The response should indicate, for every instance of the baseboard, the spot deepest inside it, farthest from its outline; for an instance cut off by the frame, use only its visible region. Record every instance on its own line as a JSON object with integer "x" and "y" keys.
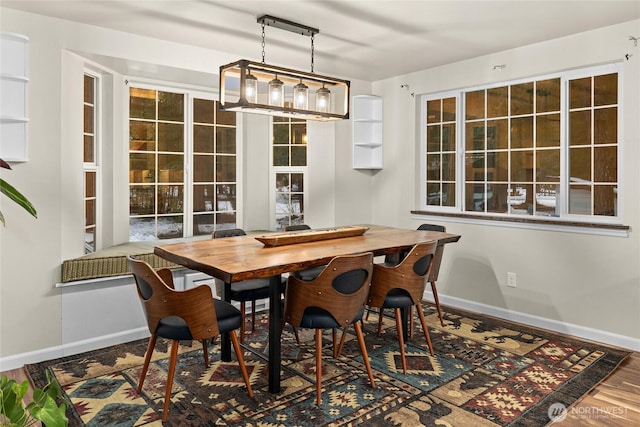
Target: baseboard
{"x": 19, "y": 360}
{"x": 540, "y": 322}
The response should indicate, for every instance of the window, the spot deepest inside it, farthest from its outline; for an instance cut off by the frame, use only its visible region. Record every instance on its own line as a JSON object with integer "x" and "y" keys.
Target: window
{"x": 544, "y": 147}
{"x": 182, "y": 165}
{"x": 290, "y": 162}
{"x": 90, "y": 162}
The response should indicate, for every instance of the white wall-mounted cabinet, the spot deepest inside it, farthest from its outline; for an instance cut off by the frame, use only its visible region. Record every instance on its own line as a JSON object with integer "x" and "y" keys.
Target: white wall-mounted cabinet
{"x": 14, "y": 83}
{"x": 367, "y": 132}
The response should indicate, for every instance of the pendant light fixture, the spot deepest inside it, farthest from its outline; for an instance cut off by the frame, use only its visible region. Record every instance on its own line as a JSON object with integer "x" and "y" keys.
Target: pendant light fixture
{"x": 268, "y": 89}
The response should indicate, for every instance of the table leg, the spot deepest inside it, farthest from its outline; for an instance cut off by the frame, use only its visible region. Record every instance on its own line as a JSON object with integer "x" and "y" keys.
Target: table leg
{"x": 225, "y": 342}
{"x": 275, "y": 318}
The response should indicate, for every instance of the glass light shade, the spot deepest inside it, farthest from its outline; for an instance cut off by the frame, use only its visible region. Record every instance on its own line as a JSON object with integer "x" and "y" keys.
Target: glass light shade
{"x": 323, "y": 100}
{"x": 301, "y": 96}
{"x": 276, "y": 92}
{"x": 251, "y": 89}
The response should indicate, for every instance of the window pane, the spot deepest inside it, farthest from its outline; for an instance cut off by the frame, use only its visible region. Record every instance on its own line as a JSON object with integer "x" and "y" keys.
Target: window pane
{"x": 548, "y": 95}
{"x": 434, "y": 113}
{"x": 170, "y": 199}
{"x": 170, "y": 227}
{"x": 281, "y": 133}
{"x": 141, "y": 199}
{"x": 142, "y": 103}
{"x": 475, "y": 136}
{"x": 89, "y": 153}
{"x": 170, "y": 137}
{"x": 90, "y": 212}
{"x": 203, "y": 168}
{"x": 548, "y": 166}
{"x": 299, "y": 133}
{"x": 580, "y": 164}
{"x": 281, "y": 156}
{"x": 606, "y": 160}
{"x": 522, "y": 166}
{"x": 226, "y": 140}
{"x": 449, "y": 137}
{"x": 498, "y": 102}
{"x": 497, "y": 198}
{"x": 520, "y": 199}
{"x": 580, "y": 199}
{"x": 475, "y": 197}
{"x": 226, "y": 198}
{"x": 498, "y": 134}
{"x": 142, "y": 136}
{"x": 474, "y": 167}
{"x": 89, "y": 184}
{"x": 548, "y": 130}
{"x": 203, "y": 198}
{"x": 433, "y": 138}
{"x": 141, "y": 229}
{"x": 605, "y": 89}
{"x": 449, "y": 109}
{"x": 448, "y": 194}
{"x": 227, "y": 118}
{"x": 580, "y": 93}
{"x": 203, "y": 111}
{"x": 474, "y": 105}
{"x": 448, "y": 167}
{"x": 605, "y": 199}
{"x": 546, "y": 199}
{"x": 297, "y": 182}
{"x": 204, "y": 224}
{"x": 171, "y": 167}
{"x": 434, "y": 194}
{"x": 498, "y": 166}
{"x": 170, "y": 106}
{"x": 226, "y": 168}
{"x": 299, "y": 156}
{"x": 433, "y": 167}
{"x": 605, "y": 126}
{"x": 522, "y": 132}
{"x": 225, "y": 220}
{"x": 88, "y": 119}
{"x": 89, "y": 89}
{"x": 522, "y": 99}
{"x": 580, "y": 127}
{"x": 142, "y": 167}
{"x": 203, "y": 138}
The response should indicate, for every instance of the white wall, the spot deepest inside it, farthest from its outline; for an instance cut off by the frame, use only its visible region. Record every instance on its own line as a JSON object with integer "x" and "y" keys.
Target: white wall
{"x": 592, "y": 281}
{"x": 588, "y": 281}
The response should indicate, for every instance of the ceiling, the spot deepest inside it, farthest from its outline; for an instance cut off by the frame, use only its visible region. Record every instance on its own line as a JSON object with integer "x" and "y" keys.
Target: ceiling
{"x": 359, "y": 39}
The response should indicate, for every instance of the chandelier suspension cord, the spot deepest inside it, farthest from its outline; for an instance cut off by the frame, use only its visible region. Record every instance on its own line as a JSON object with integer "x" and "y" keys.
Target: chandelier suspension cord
{"x": 312, "y": 49}
{"x": 263, "y": 44}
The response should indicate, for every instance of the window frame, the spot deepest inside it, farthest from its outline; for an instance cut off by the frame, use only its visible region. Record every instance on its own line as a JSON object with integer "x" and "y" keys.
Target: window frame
{"x": 581, "y": 223}
{"x": 190, "y": 93}
{"x": 94, "y": 166}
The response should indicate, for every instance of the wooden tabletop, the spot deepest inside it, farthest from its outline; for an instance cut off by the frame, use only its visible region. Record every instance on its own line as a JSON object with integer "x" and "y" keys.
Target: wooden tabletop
{"x": 244, "y": 257}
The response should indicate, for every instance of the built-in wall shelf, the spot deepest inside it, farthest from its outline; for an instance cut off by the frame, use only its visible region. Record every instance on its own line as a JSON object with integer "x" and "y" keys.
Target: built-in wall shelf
{"x": 367, "y": 132}
{"x": 14, "y": 83}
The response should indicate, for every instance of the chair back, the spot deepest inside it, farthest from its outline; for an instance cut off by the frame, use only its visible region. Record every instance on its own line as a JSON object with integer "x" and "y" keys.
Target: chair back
{"x": 296, "y": 227}
{"x": 410, "y": 275}
{"x": 195, "y": 306}
{"x": 432, "y": 227}
{"x": 231, "y": 232}
{"x": 341, "y": 290}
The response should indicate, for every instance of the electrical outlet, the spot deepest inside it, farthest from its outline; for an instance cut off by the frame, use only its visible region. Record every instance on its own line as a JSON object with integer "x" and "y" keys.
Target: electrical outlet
{"x": 511, "y": 280}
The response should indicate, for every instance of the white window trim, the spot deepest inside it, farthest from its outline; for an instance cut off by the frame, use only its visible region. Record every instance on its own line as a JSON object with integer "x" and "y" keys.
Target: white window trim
{"x": 95, "y": 166}
{"x": 566, "y": 222}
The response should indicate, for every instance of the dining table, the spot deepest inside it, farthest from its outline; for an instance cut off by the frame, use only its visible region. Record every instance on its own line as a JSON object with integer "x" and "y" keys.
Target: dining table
{"x": 246, "y": 257}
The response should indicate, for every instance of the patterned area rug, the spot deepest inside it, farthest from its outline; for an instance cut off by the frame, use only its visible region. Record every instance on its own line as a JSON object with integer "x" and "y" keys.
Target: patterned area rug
{"x": 486, "y": 372}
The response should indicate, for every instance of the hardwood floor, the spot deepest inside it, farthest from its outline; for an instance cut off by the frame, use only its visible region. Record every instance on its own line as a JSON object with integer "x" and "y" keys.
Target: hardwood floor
{"x": 614, "y": 402}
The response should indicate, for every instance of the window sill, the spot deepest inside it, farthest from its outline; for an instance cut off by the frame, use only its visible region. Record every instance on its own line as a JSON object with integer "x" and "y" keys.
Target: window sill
{"x": 616, "y": 230}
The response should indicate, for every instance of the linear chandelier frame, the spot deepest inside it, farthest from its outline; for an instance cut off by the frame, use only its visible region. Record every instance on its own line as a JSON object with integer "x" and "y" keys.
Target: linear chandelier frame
{"x": 257, "y": 87}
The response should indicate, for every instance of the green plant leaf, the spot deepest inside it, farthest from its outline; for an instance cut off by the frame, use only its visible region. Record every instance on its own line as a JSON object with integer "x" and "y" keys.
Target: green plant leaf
{"x": 13, "y": 194}
{"x": 50, "y": 413}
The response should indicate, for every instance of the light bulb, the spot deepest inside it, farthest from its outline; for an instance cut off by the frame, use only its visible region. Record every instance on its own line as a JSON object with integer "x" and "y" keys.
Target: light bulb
{"x": 301, "y": 96}
{"x": 276, "y": 92}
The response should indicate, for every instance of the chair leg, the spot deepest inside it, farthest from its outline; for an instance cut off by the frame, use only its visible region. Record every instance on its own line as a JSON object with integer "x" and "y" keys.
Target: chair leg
{"x": 380, "y": 313}
{"x": 411, "y": 322}
{"x": 336, "y": 350}
{"x": 243, "y": 368}
{"x": 205, "y": 351}
{"x": 401, "y": 339}
{"x": 363, "y": 350}
{"x": 243, "y": 309}
{"x": 424, "y": 327}
{"x": 318, "y": 366}
{"x": 147, "y": 359}
{"x": 436, "y": 300}
{"x": 342, "y": 340}
{"x": 253, "y": 315}
{"x": 172, "y": 370}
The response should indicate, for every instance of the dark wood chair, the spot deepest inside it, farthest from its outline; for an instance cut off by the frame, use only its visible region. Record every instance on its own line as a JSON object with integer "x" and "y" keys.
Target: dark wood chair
{"x": 182, "y": 315}
{"x": 401, "y": 286}
{"x": 335, "y": 299}
{"x": 247, "y": 290}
